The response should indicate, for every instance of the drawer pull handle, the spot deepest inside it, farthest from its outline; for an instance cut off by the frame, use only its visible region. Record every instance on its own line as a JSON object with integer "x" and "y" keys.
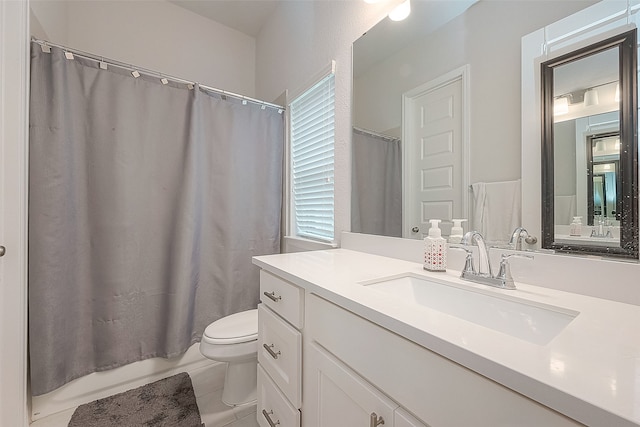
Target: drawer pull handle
{"x": 375, "y": 421}
{"x": 267, "y": 416}
{"x": 272, "y": 296}
{"x": 270, "y": 351}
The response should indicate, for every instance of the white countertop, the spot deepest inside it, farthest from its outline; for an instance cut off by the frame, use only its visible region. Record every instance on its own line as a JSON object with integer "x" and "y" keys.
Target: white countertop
{"x": 590, "y": 371}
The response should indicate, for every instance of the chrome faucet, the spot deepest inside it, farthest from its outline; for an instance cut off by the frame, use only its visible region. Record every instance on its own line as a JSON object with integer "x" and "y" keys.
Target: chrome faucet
{"x": 518, "y": 235}
{"x": 483, "y": 275}
{"x": 484, "y": 266}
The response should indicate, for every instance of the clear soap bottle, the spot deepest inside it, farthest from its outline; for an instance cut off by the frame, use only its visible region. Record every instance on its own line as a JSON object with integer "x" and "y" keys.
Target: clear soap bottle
{"x": 456, "y": 231}
{"x": 435, "y": 249}
{"x": 575, "y": 229}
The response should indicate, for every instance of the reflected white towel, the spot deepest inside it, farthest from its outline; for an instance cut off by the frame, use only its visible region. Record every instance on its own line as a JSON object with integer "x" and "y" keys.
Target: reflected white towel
{"x": 497, "y": 209}
{"x": 564, "y": 209}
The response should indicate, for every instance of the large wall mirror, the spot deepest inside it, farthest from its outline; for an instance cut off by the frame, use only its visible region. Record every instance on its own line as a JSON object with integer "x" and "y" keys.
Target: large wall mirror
{"x": 439, "y": 38}
{"x": 589, "y": 149}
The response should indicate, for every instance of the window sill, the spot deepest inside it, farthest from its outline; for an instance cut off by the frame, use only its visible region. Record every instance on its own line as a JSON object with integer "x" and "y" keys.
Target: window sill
{"x": 299, "y": 244}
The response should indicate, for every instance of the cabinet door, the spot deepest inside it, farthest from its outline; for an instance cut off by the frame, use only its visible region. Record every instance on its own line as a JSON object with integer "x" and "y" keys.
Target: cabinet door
{"x": 335, "y": 396}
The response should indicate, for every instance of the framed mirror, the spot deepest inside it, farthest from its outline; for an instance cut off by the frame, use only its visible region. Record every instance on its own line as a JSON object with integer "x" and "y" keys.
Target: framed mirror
{"x": 589, "y": 149}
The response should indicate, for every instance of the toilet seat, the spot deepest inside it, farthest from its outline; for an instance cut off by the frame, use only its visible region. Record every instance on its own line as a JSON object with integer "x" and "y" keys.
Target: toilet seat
{"x": 236, "y": 328}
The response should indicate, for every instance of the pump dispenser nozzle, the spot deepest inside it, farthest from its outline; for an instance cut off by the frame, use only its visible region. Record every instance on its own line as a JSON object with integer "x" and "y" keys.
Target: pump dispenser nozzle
{"x": 434, "y": 231}
{"x": 456, "y": 231}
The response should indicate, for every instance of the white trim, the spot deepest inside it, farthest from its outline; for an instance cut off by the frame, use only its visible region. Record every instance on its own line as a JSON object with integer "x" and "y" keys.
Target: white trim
{"x": 330, "y": 68}
{"x": 464, "y": 75}
{"x": 14, "y": 115}
{"x": 299, "y": 244}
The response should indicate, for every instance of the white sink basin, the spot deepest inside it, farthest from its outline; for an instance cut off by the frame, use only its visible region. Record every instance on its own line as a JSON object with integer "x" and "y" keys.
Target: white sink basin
{"x": 520, "y": 318}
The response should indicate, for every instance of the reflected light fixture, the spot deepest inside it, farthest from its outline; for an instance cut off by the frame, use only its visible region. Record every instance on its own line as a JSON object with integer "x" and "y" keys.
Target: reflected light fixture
{"x": 599, "y": 147}
{"x": 401, "y": 11}
{"x": 560, "y": 106}
{"x": 616, "y": 145}
{"x": 371, "y": 1}
{"x": 617, "y": 95}
{"x": 590, "y": 98}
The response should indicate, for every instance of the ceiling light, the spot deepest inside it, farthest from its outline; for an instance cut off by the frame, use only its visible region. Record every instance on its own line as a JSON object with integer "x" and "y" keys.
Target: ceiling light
{"x": 560, "y": 106}
{"x": 401, "y": 11}
{"x": 371, "y": 1}
{"x": 617, "y": 96}
{"x": 590, "y": 98}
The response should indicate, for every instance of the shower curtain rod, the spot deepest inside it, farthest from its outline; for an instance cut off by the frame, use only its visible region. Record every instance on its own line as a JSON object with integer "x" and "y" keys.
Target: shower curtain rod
{"x": 152, "y": 73}
{"x": 379, "y": 135}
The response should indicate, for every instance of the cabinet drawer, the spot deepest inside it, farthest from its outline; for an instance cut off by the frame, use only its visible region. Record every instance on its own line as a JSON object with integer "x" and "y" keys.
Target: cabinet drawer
{"x": 280, "y": 353}
{"x": 282, "y": 297}
{"x": 402, "y": 418}
{"x": 273, "y": 406}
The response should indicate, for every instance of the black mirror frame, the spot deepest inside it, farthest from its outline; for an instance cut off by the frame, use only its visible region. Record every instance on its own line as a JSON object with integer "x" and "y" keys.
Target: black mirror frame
{"x": 627, "y": 44}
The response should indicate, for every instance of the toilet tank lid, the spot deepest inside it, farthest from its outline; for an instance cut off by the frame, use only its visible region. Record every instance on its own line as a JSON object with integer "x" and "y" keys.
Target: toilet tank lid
{"x": 235, "y": 328}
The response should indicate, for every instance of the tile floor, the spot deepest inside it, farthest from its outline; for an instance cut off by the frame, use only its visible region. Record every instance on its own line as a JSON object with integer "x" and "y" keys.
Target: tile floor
{"x": 207, "y": 386}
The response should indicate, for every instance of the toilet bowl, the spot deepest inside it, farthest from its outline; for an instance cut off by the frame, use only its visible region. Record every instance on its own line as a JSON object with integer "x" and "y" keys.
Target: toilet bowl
{"x": 234, "y": 340}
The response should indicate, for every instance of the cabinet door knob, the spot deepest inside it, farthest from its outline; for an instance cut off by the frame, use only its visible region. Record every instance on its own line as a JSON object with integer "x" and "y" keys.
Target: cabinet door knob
{"x": 270, "y": 351}
{"x": 375, "y": 421}
{"x": 272, "y": 296}
{"x": 3, "y": 250}
{"x": 267, "y": 415}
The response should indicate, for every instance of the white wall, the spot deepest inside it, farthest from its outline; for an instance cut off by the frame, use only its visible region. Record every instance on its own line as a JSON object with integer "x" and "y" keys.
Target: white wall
{"x": 300, "y": 39}
{"x": 156, "y": 35}
{"x": 487, "y": 37}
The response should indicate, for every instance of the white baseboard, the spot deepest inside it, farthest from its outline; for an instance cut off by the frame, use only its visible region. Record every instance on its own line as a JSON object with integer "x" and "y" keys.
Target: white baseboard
{"x": 102, "y": 384}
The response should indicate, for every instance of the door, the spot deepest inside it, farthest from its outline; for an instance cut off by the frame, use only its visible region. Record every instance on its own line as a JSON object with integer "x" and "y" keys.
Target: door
{"x": 336, "y": 396}
{"x": 14, "y": 36}
{"x": 436, "y": 182}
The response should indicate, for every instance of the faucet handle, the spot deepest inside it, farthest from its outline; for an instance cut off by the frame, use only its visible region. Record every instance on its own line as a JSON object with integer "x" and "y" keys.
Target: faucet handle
{"x": 504, "y": 273}
{"x": 468, "y": 260}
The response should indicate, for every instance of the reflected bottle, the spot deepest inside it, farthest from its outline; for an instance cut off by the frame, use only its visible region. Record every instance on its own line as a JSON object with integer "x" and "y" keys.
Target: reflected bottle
{"x": 575, "y": 229}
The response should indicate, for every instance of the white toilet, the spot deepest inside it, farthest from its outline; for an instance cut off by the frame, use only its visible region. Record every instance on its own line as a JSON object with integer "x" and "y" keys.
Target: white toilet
{"x": 234, "y": 339}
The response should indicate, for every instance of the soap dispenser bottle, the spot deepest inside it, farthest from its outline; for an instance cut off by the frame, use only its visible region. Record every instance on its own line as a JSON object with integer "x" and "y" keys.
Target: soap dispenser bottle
{"x": 456, "y": 231}
{"x": 575, "y": 229}
{"x": 435, "y": 249}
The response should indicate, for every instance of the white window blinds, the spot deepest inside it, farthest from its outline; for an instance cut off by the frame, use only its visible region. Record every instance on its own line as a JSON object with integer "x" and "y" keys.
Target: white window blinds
{"x": 312, "y": 140}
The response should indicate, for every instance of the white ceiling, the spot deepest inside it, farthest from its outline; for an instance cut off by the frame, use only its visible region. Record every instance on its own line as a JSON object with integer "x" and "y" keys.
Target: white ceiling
{"x": 246, "y": 16}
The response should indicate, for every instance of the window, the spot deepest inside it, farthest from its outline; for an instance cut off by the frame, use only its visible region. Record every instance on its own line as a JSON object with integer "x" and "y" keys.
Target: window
{"x": 312, "y": 171}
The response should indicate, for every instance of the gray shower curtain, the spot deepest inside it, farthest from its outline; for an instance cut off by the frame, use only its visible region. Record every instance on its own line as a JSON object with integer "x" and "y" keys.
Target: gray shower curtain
{"x": 146, "y": 204}
{"x": 376, "y": 184}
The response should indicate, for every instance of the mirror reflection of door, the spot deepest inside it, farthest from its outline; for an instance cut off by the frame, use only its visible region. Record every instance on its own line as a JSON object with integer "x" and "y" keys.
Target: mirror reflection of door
{"x": 434, "y": 176}
{"x": 603, "y": 176}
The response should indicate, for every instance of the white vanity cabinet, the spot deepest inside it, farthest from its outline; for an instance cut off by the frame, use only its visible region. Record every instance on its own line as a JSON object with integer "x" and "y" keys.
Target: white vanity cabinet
{"x": 341, "y": 398}
{"x": 321, "y": 365}
{"x": 347, "y": 355}
{"x": 280, "y": 320}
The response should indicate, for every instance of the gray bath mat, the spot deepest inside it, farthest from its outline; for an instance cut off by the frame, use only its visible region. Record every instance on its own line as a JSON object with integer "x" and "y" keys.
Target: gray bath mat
{"x": 169, "y": 402}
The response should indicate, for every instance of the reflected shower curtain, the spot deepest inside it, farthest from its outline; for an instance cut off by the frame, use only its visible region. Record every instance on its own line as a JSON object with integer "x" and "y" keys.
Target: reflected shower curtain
{"x": 376, "y": 184}
{"x": 147, "y": 202}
